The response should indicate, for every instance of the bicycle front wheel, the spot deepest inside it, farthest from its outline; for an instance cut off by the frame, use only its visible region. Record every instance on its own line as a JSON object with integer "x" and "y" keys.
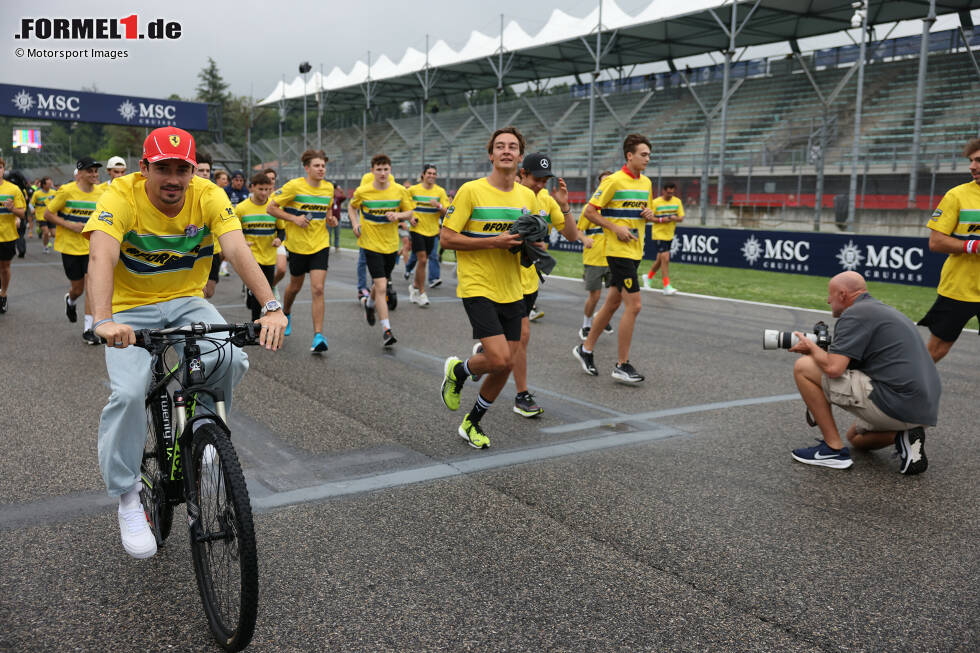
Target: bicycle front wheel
{"x": 223, "y": 540}
{"x": 159, "y": 511}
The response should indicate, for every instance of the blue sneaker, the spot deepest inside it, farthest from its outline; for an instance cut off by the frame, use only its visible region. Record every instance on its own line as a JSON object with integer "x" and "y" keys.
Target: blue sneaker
{"x": 822, "y": 455}
{"x": 289, "y": 325}
{"x": 319, "y": 344}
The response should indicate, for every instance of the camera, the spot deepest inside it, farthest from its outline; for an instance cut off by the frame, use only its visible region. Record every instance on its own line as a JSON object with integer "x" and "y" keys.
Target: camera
{"x": 773, "y": 339}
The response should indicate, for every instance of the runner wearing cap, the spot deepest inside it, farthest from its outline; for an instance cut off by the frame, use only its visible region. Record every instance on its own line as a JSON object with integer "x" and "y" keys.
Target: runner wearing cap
{"x": 138, "y": 286}
{"x": 303, "y": 205}
{"x": 116, "y": 167}
{"x": 535, "y": 171}
{"x": 69, "y": 210}
{"x": 13, "y": 208}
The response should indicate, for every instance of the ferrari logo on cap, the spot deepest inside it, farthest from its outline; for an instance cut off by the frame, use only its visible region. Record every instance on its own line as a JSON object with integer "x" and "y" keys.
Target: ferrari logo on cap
{"x": 174, "y": 140}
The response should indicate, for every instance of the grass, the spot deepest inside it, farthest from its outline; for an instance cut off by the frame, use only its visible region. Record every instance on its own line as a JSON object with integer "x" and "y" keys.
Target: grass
{"x": 755, "y": 285}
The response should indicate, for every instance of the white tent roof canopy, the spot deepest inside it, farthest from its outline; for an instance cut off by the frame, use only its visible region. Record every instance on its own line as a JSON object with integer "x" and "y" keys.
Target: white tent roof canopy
{"x": 562, "y": 46}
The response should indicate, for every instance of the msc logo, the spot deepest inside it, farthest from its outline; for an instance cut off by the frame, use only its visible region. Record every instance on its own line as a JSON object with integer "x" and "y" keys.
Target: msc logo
{"x": 174, "y": 140}
{"x": 778, "y": 250}
{"x": 695, "y": 244}
{"x": 24, "y": 102}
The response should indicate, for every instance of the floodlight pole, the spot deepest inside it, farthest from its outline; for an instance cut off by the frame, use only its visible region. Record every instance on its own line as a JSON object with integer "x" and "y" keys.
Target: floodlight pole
{"x": 248, "y": 131}
{"x": 858, "y": 106}
{"x": 319, "y": 110}
{"x": 282, "y": 119}
{"x": 920, "y": 89}
{"x": 595, "y": 77}
{"x": 305, "y": 81}
{"x": 367, "y": 88}
{"x": 724, "y": 106}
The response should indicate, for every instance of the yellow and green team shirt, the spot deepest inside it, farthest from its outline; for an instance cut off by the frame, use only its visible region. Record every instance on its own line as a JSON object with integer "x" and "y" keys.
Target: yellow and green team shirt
{"x": 595, "y": 255}
{"x": 428, "y": 216}
{"x": 663, "y": 209}
{"x": 377, "y": 233}
{"x": 549, "y": 210}
{"x": 161, "y": 258}
{"x": 298, "y": 197}
{"x": 958, "y": 215}
{"x": 39, "y": 200}
{"x": 73, "y": 204}
{"x": 621, "y": 197}
{"x": 260, "y": 229}
{"x": 8, "y": 221}
{"x": 481, "y": 211}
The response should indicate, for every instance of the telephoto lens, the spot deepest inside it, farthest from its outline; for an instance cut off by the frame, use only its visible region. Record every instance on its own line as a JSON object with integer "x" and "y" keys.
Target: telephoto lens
{"x": 773, "y": 339}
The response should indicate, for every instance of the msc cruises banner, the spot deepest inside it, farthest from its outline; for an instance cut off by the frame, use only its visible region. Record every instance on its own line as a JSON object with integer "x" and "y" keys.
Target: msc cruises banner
{"x": 894, "y": 259}
{"x": 82, "y": 106}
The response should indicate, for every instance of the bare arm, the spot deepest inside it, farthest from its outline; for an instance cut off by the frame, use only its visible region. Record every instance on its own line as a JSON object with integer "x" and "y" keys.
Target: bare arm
{"x": 276, "y": 211}
{"x": 61, "y": 222}
{"x": 833, "y": 365}
{"x": 102, "y": 259}
{"x": 944, "y": 244}
{"x": 355, "y": 223}
{"x": 622, "y": 232}
{"x": 236, "y": 250}
{"x": 450, "y": 239}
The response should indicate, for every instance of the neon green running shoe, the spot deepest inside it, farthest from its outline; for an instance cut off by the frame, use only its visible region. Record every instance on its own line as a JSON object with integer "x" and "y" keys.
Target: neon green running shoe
{"x": 473, "y": 434}
{"x": 451, "y": 386}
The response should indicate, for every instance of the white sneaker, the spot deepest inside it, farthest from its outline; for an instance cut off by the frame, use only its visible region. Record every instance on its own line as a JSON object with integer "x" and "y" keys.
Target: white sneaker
{"x": 137, "y": 538}
{"x": 223, "y": 270}
{"x": 413, "y": 295}
{"x": 423, "y": 300}
{"x": 647, "y": 282}
{"x": 670, "y": 290}
{"x": 535, "y": 315}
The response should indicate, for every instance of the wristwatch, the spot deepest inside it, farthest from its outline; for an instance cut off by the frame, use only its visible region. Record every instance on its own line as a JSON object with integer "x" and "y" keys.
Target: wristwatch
{"x": 271, "y": 305}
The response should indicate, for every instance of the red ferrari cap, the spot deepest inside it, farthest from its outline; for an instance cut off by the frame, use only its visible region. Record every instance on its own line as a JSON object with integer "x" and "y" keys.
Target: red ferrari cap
{"x": 169, "y": 143}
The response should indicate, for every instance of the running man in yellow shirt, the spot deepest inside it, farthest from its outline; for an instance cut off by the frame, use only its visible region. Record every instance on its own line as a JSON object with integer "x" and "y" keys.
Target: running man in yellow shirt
{"x": 431, "y": 204}
{"x": 955, "y": 226}
{"x": 477, "y": 226}
{"x": 595, "y": 270}
{"x": 39, "y": 200}
{"x": 668, "y": 211}
{"x": 13, "y": 209}
{"x": 263, "y": 233}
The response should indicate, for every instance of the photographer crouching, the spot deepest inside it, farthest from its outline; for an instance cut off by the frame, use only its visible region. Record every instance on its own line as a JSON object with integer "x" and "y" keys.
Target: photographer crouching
{"x": 878, "y": 369}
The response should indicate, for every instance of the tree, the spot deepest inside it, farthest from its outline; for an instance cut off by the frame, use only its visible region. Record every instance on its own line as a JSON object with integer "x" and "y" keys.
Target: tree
{"x": 212, "y": 87}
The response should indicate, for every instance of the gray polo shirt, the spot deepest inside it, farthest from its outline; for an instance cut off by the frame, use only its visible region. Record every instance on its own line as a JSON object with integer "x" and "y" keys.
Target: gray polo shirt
{"x": 885, "y": 345}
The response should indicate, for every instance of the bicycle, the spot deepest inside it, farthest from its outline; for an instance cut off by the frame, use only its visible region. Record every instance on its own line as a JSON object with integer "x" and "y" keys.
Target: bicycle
{"x": 209, "y": 481}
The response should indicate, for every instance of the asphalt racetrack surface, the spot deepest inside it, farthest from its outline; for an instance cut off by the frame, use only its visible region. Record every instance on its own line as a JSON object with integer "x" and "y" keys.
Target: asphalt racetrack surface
{"x": 667, "y": 516}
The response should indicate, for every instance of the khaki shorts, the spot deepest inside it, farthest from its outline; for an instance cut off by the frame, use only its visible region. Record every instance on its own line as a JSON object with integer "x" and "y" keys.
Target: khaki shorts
{"x": 852, "y": 392}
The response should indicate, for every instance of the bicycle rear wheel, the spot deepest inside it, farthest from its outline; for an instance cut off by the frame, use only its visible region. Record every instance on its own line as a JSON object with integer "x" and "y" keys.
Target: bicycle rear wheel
{"x": 223, "y": 540}
{"x": 159, "y": 511}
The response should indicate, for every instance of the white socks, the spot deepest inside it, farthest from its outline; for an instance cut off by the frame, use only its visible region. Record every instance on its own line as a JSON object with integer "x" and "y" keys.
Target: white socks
{"x": 385, "y": 324}
{"x": 587, "y": 322}
{"x": 130, "y": 500}
{"x": 88, "y": 322}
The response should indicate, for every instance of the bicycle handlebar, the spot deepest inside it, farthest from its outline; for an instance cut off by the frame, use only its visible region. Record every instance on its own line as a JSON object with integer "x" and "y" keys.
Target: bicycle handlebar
{"x": 245, "y": 333}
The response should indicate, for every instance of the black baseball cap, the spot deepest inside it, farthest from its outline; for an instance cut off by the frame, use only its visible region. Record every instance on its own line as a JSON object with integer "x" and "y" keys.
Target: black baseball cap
{"x": 87, "y": 162}
{"x": 238, "y": 173}
{"x": 538, "y": 165}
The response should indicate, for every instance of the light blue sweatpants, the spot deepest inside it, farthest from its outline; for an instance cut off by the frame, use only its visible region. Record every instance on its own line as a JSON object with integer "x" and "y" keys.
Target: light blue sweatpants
{"x": 122, "y": 429}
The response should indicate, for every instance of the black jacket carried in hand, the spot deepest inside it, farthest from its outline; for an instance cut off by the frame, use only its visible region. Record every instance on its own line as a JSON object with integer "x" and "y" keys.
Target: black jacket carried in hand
{"x": 533, "y": 229}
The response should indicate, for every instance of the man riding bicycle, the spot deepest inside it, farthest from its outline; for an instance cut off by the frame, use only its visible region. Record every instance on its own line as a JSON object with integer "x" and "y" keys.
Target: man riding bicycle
{"x": 152, "y": 239}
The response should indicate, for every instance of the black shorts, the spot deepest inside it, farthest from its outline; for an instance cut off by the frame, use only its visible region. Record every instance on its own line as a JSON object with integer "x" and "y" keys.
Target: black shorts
{"x": 663, "y": 245}
{"x": 622, "y": 273}
{"x": 379, "y": 265}
{"x": 422, "y": 243}
{"x": 300, "y": 264}
{"x": 215, "y": 267}
{"x": 489, "y": 318}
{"x": 7, "y": 250}
{"x": 947, "y": 317}
{"x": 76, "y": 266}
{"x": 530, "y": 301}
{"x": 270, "y": 273}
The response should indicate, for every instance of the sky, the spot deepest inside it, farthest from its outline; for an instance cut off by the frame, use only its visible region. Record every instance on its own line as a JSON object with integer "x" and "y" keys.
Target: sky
{"x": 253, "y": 49}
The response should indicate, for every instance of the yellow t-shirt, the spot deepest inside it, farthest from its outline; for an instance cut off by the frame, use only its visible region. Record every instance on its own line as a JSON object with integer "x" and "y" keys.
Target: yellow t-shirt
{"x": 260, "y": 229}
{"x": 663, "y": 209}
{"x": 161, "y": 258}
{"x": 481, "y": 211}
{"x": 549, "y": 210}
{"x": 39, "y": 200}
{"x": 377, "y": 233}
{"x": 428, "y": 216}
{"x": 621, "y": 197}
{"x": 958, "y": 215}
{"x": 595, "y": 255}
{"x": 8, "y": 221}
{"x": 73, "y": 204}
{"x": 298, "y": 197}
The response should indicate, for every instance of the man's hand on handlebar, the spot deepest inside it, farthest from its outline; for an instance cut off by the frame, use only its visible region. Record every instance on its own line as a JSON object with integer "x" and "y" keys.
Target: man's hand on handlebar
{"x": 273, "y": 325}
{"x": 116, "y": 335}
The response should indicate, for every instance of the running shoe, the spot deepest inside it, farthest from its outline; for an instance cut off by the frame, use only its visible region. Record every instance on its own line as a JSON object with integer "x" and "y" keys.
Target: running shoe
{"x": 823, "y": 456}
{"x": 223, "y": 270}
{"x": 583, "y": 333}
{"x": 608, "y": 328}
{"x": 435, "y": 283}
{"x": 586, "y": 360}
{"x": 473, "y": 434}
{"x": 911, "y": 446}
{"x": 3, "y": 304}
{"x": 451, "y": 386}
{"x": 525, "y": 406}
{"x": 319, "y": 344}
{"x": 626, "y": 373}
{"x": 288, "y": 331}
{"x": 89, "y": 336}
{"x": 647, "y": 282}
{"x": 670, "y": 290}
{"x": 423, "y": 300}
{"x": 388, "y": 338}
{"x": 535, "y": 314}
{"x": 368, "y": 311}
{"x": 413, "y": 295}
{"x": 137, "y": 538}
{"x": 407, "y": 274}
{"x": 70, "y": 309}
